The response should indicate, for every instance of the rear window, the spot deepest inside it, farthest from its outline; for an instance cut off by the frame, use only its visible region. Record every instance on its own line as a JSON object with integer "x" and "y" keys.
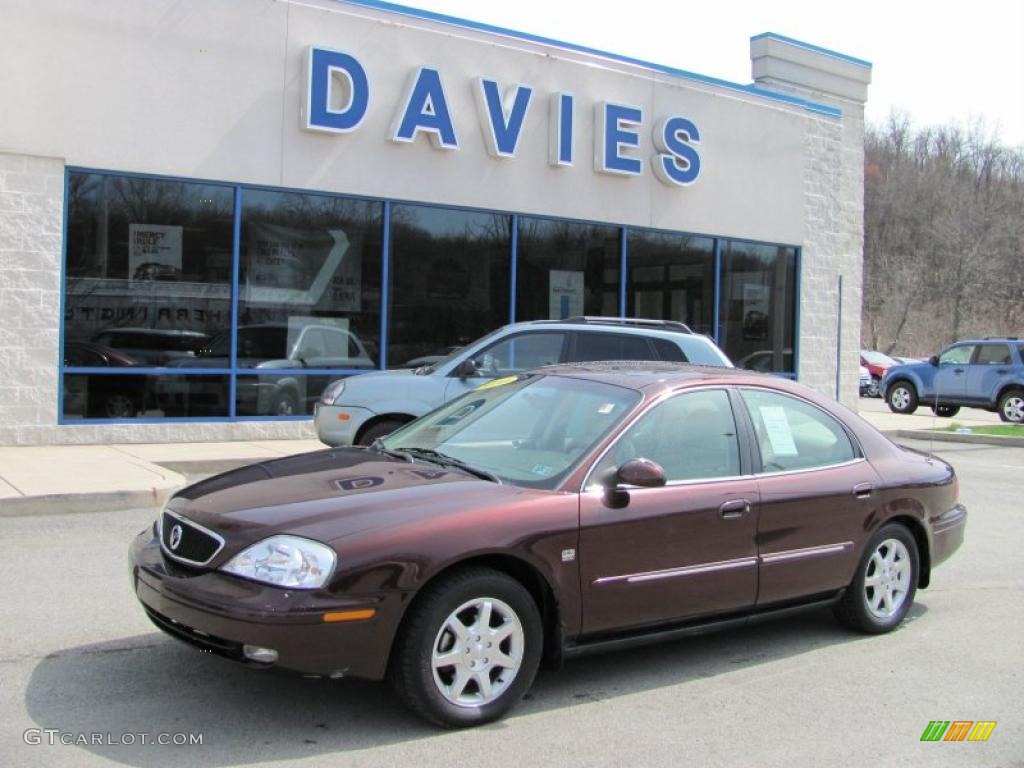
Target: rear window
{"x": 993, "y": 354}
{"x": 611, "y": 346}
{"x": 668, "y": 351}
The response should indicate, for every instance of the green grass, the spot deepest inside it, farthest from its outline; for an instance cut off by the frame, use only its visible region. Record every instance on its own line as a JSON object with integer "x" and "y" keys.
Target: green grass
{"x": 1002, "y": 430}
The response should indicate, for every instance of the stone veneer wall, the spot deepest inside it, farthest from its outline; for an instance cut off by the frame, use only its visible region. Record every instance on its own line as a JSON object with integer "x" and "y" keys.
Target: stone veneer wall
{"x": 31, "y": 223}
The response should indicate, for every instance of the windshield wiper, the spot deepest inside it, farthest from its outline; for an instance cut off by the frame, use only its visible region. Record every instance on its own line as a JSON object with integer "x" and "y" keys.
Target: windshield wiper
{"x": 445, "y": 460}
{"x": 378, "y": 446}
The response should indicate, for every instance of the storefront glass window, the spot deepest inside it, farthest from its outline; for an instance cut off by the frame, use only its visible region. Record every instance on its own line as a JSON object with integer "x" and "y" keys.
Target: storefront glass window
{"x": 148, "y": 267}
{"x": 671, "y": 276}
{"x": 309, "y": 283}
{"x": 566, "y": 269}
{"x": 758, "y": 305}
{"x": 449, "y": 280}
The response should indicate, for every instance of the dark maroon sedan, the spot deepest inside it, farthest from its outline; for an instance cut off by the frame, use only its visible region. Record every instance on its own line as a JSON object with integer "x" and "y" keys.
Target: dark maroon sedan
{"x": 547, "y": 515}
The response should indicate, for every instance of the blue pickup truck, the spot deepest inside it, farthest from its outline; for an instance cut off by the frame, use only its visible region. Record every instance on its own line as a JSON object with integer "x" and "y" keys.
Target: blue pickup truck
{"x": 984, "y": 373}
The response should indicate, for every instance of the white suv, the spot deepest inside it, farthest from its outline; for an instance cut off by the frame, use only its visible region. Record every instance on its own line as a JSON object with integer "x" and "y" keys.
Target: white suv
{"x": 359, "y": 409}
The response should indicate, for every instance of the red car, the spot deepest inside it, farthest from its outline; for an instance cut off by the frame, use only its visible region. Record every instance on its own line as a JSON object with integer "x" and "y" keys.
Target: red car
{"x": 546, "y": 515}
{"x": 877, "y": 364}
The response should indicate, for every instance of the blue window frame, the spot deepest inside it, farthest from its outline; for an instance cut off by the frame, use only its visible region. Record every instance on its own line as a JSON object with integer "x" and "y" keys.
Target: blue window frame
{"x": 198, "y": 300}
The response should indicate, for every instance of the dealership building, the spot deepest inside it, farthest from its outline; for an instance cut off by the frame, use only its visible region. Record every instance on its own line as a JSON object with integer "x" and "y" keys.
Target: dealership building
{"x": 209, "y": 210}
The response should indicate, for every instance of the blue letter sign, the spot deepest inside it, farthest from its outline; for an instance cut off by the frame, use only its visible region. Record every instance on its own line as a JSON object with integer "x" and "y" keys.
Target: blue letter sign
{"x": 501, "y": 131}
{"x": 323, "y": 65}
{"x": 426, "y": 109}
{"x": 611, "y": 135}
{"x": 679, "y": 164}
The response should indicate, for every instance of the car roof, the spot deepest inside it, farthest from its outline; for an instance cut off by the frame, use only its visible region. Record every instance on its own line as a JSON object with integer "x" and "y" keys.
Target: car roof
{"x": 627, "y": 324}
{"x": 650, "y": 375}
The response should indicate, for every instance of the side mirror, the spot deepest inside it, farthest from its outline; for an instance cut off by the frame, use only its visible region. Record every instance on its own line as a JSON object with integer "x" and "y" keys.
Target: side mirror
{"x": 466, "y": 369}
{"x": 642, "y": 473}
{"x": 934, "y": 360}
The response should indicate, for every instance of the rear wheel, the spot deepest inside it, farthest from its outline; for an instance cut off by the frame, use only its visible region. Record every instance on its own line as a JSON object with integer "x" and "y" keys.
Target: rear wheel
{"x": 945, "y": 410}
{"x": 285, "y": 404}
{"x": 380, "y": 429}
{"x": 883, "y": 588}
{"x": 901, "y": 397}
{"x": 469, "y": 649}
{"x": 1011, "y": 406}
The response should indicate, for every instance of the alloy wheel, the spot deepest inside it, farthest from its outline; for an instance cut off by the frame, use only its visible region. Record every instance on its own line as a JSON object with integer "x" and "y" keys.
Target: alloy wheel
{"x": 887, "y": 579}
{"x": 477, "y": 652}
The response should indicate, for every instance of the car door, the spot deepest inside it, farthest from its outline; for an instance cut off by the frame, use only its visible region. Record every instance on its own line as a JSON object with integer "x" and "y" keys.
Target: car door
{"x": 988, "y": 371}
{"x": 816, "y": 492}
{"x": 951, "y": 377}
{"x": 683, "y": 550}
{"x": 509, "y": 356}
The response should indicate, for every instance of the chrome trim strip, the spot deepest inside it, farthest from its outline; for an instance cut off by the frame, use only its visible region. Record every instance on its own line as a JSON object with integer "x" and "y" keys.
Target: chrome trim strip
{"x": 670, "y": 573}
{"x": 194, "y": 524}
{"x": 806, "y": 552}
{"x": 819, "y": 468}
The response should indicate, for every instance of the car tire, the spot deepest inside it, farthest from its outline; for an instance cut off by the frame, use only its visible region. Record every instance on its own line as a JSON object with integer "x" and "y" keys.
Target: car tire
{"x": 1011, "y": 406}
{"x": 118, "y": 407}
{"x": 901, "y": 397}
{"x": 380, "y": 429}
{"x": 885, "y": 582}
{"x": 946, "y": 411}
{"x": 285, "y": 404}
{"x": 873, "y": 390}
{"x": 490, "y": 671}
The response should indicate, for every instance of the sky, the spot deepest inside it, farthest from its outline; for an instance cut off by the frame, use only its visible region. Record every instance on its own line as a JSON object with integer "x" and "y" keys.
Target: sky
{"x": 939, "y": 62}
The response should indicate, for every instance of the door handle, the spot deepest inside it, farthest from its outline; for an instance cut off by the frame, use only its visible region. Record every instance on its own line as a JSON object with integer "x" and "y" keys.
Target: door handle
{"x": 1002, "y": 371}
{"x": 958, "y": 371}
{"x": 863, "y": 490}
{"x": 733, "y": 509}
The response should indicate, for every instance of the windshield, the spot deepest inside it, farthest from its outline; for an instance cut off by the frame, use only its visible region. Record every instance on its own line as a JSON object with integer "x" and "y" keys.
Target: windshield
{"x": 529, "y": 430}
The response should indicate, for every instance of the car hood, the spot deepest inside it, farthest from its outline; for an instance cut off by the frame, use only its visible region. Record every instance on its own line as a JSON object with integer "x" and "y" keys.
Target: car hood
{"x": 330, "y": 495}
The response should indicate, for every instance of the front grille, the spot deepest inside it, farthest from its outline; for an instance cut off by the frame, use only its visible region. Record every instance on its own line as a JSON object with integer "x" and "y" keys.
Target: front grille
{"x": 187, "y": 541}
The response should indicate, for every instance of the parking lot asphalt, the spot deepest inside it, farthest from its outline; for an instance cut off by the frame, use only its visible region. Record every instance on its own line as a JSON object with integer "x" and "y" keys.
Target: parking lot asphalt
{"x": 78, "y": 657}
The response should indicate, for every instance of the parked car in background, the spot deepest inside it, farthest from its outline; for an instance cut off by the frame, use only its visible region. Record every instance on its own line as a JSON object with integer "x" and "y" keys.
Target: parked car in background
{"x": 359, "y": 409}
{"x": 877, "y": 364}
{"x": 153, "y": 346}
{"x": 865, "y": 381}
{"x": 571, "y": 510}
{"x": 266, "y": 347}
{"x": 983, "y": 373}
{"x": 120, "y": 396}
{"x": 764, "y": 360}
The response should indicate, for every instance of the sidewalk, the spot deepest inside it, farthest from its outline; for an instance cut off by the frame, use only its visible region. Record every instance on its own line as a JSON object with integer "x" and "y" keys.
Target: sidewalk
{"x": 89, "y": 478}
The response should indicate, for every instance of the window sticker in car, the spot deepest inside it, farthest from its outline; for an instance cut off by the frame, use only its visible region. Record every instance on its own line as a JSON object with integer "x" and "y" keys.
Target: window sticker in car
{"x": 497, "y": 382}
{"x": 541, "y": 469}
{"x": 780, "y": 434}
{"x": 605, "y": 409}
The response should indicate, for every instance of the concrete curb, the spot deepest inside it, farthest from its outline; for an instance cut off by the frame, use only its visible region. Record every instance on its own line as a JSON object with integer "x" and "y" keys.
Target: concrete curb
{"x": 64, "y": 503}
{"x": 953, "y": 437}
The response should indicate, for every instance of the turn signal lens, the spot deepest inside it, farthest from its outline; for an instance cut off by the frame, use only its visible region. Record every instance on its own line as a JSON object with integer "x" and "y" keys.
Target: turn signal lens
{"x": 357, "y": 615}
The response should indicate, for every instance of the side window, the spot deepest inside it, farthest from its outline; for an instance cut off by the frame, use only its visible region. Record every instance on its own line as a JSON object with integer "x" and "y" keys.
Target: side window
{"x": 611, "y": 346}
{"x": 668, "y": 351}
{"x": 959, "y": 355}
{"x": 76, "y": 355}
{"x": 520, "y": 353}
{"x": 993, "y": 354}
{"x": 792, "y": 434}
{"x": 335, "y": 343}
{"x": 692, "y": 436}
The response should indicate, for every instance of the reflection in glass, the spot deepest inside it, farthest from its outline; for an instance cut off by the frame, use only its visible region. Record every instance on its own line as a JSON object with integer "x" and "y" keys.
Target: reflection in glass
{"x": 131, "y": 396}
{"x": 280, "y": 394}
{"x": 566, "y": 269}
{"x": 309, "y": 290}
{"x": 758, "y": 305}
{"x": 671, "y": 276}
{"x": 449, "y": 280}
{"x": 148, "y": 265}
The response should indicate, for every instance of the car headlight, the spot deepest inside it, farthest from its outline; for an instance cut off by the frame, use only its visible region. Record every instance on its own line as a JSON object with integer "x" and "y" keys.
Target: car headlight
{"x": 285, "y": 561}
{"x": 331, "y": 392}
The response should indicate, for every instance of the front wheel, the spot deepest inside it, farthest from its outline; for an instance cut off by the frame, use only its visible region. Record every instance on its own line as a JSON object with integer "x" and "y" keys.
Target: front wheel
{"x": 469, "y": 649}
{"x": 883, "y": 588}
{"x": 1011, "y": 406}
{"x": 873, "y": 390}
{"x": 946, "y": 411}
{"x": 901, "y": 397}
{"x": 380, "y": 429}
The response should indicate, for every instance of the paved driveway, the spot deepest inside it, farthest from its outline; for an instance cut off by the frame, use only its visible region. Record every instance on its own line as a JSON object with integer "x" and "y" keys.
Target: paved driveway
{"x": 76, "y": 654}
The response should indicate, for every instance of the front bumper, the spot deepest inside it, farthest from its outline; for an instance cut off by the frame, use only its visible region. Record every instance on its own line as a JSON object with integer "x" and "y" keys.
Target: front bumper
{"x": 948, "y": 533}
{"x": 331, "y": 426}
{"x": 220, "y": 613}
